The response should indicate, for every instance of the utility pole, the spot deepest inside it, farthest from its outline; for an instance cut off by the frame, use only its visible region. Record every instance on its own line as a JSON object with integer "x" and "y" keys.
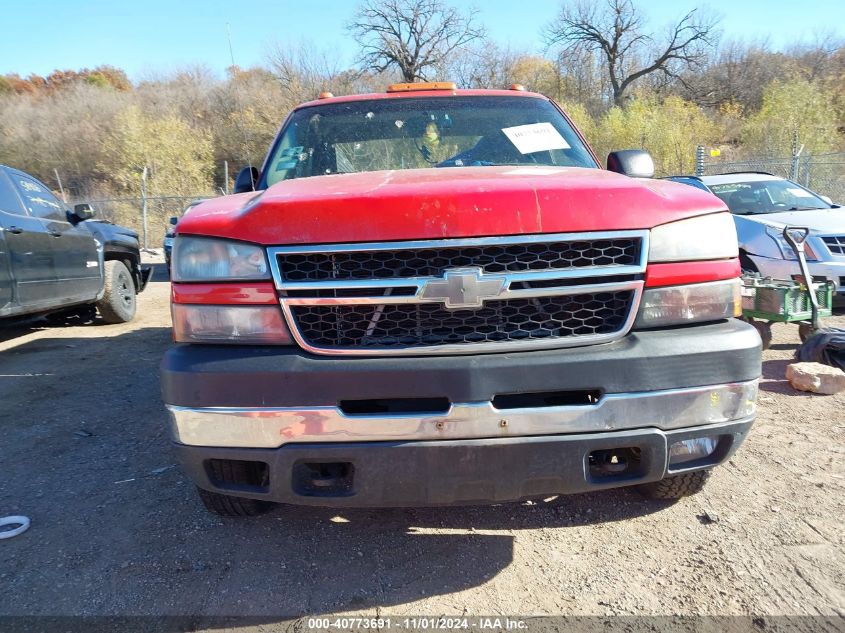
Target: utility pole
{"x": 144, "y": 203}
{"x": 226, "y": 177}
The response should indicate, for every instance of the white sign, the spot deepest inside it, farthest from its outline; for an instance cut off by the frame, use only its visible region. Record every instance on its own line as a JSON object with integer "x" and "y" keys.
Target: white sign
{"x": 799, "y": 193}
{"x": 535, "y": 137}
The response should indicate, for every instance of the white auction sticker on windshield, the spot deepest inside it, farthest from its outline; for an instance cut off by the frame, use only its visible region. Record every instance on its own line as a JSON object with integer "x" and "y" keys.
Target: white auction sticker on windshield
{"x": 799, "y": 193}
{"x": 535, "y": 137}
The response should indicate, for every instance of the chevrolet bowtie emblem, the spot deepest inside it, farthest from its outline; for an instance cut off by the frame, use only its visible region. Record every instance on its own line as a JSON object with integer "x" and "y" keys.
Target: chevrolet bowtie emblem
{"x": 463, "y": 288}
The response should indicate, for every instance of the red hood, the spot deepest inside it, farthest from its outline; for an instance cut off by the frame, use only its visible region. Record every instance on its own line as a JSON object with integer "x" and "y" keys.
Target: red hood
{"x": 448, "y": 202}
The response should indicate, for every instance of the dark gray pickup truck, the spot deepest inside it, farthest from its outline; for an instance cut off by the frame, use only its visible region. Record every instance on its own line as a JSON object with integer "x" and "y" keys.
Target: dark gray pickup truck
{"x": 54, "y": 259}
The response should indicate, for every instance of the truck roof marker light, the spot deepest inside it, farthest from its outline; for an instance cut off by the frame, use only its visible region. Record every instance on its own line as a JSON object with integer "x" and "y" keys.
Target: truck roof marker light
{"x": 518, "y": 87}
{"x": 427, "y": 85}
{"x": 325, "y": 95}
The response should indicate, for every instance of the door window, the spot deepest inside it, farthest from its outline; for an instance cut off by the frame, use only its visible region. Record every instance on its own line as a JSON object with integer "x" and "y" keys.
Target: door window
{"x": 37, "y": 199}
{"x": 9, "y": 201}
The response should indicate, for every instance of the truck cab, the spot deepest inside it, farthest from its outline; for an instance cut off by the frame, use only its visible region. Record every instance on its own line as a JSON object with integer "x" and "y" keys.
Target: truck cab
{"x": 434, "y": 296}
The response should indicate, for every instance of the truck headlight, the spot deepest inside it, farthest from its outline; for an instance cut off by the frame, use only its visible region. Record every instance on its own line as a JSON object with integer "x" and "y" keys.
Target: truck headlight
{"x": 785, "y": 249}
{"x": 678, "y": 305}
{"x": 209, "y": 259}
{"x": 705, "y": 237}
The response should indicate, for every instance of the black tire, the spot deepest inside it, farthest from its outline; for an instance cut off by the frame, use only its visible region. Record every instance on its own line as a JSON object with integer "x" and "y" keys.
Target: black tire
{"x": 119, "y": 302}
{"x": 675, "y": 486}
{"x": 227, "y": 505}
{"x": 763, "y": 328}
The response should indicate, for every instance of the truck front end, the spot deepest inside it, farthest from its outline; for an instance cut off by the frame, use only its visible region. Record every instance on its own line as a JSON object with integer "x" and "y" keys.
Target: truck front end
{"x": 503, "y": 320}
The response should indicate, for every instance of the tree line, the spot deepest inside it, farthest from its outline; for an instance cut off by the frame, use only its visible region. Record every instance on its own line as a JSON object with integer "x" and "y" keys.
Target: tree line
{"x": 625, "y": 82}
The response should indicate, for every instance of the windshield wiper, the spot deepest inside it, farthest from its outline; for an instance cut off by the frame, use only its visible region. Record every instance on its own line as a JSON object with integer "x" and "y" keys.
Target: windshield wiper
{"x": 804, "y": 208}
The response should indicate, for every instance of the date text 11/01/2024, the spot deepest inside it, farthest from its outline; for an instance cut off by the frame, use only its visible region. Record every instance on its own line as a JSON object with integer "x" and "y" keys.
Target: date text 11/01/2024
{"x": 417, "y": 623}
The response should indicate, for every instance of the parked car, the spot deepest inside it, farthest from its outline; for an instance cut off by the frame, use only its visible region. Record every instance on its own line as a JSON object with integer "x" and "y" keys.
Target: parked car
{"x": 435, "y": 296}
{"x": 54, "y": 259}
{"x": 168, "y": 234}
{"x": 762, "y": 206}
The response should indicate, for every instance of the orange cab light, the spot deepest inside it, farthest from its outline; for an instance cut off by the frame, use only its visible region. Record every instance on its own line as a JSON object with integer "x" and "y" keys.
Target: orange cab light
{"x": 518, "y": 87}
{"x": 325, "y": 95}
{"x": 428, "y": 85}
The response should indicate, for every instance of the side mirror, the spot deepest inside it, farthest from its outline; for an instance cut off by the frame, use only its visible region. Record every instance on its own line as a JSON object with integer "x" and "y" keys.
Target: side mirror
{"x": 174, "y": 221}
{"x": 246, "y": 180}
{"x": 635, "y": 163}
{"x": 83, "y": 211}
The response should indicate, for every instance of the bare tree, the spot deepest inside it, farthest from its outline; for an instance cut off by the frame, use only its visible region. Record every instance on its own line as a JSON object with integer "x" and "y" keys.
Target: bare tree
{"x": 615, "y": 30}
{"x": 415, "y": 36}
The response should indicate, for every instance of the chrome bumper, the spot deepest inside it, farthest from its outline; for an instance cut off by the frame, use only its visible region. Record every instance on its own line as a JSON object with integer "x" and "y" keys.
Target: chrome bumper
{"x": 832, "y": 270}
{"x": 274, "y": 427}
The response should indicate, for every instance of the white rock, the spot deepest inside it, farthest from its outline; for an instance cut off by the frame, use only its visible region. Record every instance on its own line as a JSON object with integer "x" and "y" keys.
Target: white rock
{"x": 816, "y": 377}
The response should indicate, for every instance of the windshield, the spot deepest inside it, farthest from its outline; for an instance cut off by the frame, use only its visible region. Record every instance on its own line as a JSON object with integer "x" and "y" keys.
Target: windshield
{"x": 767, "y": 196}
{"x": 413, "y": 133}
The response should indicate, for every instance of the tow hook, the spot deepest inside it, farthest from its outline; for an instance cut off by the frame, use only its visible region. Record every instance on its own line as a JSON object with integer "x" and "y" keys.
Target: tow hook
{"x": 609, "y": 462}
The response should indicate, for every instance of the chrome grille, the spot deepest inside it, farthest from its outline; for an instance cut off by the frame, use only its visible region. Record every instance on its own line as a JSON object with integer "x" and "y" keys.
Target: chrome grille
{"x": 434, "y": 261}
{"x": 461, "y": 296}
{"x": 835, "y": 244}
{"x": 425, "y": 325}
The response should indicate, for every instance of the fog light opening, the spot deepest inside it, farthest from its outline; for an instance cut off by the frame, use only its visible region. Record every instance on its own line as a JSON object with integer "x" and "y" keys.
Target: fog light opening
{"x": 686, "y": 451}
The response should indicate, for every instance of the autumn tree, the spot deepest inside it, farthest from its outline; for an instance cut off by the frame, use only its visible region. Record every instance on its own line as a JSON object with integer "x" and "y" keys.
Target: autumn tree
{"x": 415, "y": 36}
{"x": 177, "y": 157}
{"x": 793, "y": 108}
{"x": 669, "y": 130}
{"x": 616, "y": 31}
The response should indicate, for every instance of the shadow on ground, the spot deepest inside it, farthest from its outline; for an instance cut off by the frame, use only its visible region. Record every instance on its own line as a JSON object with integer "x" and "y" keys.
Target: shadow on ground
{"x": 774, "y": 376}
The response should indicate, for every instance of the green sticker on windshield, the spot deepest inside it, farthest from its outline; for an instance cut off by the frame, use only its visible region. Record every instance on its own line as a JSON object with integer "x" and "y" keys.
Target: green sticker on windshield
{"x": 284, "y": 166}
{"x": 290, "y": 152}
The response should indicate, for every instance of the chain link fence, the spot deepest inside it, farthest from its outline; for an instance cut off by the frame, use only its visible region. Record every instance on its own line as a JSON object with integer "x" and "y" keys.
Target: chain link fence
{"x": 822, "y": 173}
{"x": 149, "y": 216}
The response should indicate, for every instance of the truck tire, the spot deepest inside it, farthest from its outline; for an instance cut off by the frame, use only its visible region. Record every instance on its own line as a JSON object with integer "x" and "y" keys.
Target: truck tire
{"x": 764, "y": 329}
{"x": 119, "y": 303}
{"x": 675, "y": 486}
{"x": 226, "y": 505}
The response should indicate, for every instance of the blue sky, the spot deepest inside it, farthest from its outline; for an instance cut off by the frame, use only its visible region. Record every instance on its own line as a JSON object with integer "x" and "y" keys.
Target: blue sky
{"x": 158, "y": 36}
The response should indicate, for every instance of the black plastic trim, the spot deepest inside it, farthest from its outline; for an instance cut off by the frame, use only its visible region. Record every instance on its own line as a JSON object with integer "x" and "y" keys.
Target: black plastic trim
{"x": 409, "y": 474}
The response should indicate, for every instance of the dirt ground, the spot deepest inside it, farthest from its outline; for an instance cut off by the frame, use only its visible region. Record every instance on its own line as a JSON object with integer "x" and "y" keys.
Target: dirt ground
{"x": 117, "y": 530}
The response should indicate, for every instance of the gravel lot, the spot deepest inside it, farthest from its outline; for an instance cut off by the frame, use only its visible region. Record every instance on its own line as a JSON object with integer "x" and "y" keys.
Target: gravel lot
{"x": 117, "y": 530}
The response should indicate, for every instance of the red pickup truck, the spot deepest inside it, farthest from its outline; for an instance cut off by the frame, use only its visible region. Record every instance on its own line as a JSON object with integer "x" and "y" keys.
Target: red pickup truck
{"x": 435, "y": 296}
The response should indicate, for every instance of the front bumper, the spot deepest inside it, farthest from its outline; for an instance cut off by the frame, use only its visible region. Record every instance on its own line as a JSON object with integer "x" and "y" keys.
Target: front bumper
{"x": 294, "y": 412}
{"x": 786, "y": 269}
{"x": 265, "y": 427}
